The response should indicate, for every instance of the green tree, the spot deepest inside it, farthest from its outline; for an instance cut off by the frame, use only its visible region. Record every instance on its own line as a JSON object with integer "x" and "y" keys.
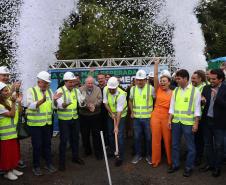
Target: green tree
{"x": 212, "y": 16}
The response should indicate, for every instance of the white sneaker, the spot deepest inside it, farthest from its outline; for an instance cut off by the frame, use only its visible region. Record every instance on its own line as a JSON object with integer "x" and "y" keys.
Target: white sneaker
{"x": 10, "y": 176}
{"x": 17, "y": 173}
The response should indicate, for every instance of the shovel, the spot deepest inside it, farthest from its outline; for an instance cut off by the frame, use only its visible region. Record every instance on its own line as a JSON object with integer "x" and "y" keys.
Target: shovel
{"x": 116, "y": 144}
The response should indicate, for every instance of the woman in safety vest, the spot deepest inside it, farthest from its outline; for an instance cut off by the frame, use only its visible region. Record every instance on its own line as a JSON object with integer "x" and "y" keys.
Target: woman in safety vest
{"x": 9, "y": 148}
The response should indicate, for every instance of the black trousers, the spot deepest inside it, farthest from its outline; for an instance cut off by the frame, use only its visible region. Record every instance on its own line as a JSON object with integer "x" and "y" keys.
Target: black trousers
{"x": 91, "y": 124}
{"x": 69, "y": 131}
{"x": 41, "y": 142}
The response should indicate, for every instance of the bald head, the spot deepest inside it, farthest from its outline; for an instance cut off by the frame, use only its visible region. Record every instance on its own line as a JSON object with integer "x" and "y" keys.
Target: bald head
{"x": 89, "y": 82}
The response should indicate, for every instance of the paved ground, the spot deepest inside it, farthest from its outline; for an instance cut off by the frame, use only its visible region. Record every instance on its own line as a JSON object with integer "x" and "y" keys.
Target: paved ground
{"x": 94, "y": 172}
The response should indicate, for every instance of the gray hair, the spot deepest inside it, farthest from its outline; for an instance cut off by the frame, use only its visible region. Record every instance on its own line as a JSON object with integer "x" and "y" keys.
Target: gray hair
{"x": 89, "y": 78}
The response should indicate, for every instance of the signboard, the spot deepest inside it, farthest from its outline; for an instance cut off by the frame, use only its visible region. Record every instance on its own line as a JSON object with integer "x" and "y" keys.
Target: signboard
{"x": 126, "y": 73}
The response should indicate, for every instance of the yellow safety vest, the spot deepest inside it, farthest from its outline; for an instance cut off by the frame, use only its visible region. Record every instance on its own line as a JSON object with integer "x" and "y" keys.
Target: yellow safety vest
{"x": 8, "y": 126}
{"x": 71, "y": 111}
{"x": 112, "y": 101}
{"x": 43, "y": 114}
{"x": 201, "y": 86}
{"x": 184, "y": 106}
{"x": 142, "y": 103}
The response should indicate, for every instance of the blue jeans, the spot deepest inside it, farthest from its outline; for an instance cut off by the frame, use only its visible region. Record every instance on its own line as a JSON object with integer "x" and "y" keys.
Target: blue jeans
{"x": 69, "y": 131}
{"x": 41, "y": 140}
{"x": 214, "y": 144}
{"x": 111, "y": 136}
{"x": 142, "y": 125}
{"x": 177, "y": 130}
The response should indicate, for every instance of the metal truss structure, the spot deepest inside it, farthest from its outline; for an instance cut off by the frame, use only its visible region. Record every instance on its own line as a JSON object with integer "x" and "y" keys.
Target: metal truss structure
{"x": 114, "y": 62}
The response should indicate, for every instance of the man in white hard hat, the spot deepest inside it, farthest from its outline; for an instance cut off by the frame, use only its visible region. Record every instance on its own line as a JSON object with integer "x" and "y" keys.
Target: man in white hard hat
{"x": 4, "y": 74}
{"x": 151, "y": 78}
{"x": 39, "y": 119}
{"x": 115, "y": 102}
{"x": 141, "y": 106}
{"x": 68, "y": 120}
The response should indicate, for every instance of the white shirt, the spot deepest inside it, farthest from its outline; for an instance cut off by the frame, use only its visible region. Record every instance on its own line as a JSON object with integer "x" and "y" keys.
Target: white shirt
{"x": 31, "y": 103}
{"x": 197, "y": 101}
{"x": 120, "y": 101}
{"x": 60, "y": 101}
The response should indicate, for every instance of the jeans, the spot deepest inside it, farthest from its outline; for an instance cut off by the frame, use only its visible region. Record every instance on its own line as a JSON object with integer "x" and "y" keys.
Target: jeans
{"x": 111, "y": 136}
{"x": 214, "y": 144}
{"x": 41, "y": 140}
{"x": 69, "y": 130}
{"x": 177, "y": 130}
{"x": 199, "y": 142}
{"x": 142, "y": 125}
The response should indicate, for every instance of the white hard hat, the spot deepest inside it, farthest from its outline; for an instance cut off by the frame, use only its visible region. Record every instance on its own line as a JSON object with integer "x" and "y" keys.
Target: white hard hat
{"x": 151, "y": 74}
{"x": 69, "y": 76}
{"x": 43, "y": 75}
{"x": 4, "y": 70}
{"x": 165, "y": 73}
{"x": 141, "y": 75}
{"x": 2, "y": 85}
{"x": 112, "y": 83}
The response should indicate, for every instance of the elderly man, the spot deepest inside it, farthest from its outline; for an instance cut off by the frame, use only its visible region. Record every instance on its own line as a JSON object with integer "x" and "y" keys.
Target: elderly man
{"x": 90, "y": 118}
{"x": 39, "y": 119}
{"x": 68, "y": 120}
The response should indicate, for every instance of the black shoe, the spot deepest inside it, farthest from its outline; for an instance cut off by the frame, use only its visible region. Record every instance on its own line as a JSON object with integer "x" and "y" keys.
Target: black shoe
{"x": 206, "y": 168}
{"x": 50, "y": 168}
{"x": 198, "y": 161}
{"x": 99, "y": 157}
{"x": 37, "y": 171}
{"x": 62, "y": 167}
{"x": 172, "y": 169}
{"x": 78, "y": 161}
{"x": 118, "y": 162}
{"x": 216, "y": 172}
{"x": 187, "y": 172}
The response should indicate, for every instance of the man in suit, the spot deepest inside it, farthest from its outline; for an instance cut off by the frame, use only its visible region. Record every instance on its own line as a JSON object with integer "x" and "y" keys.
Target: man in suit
{"x": 214, "y": 100}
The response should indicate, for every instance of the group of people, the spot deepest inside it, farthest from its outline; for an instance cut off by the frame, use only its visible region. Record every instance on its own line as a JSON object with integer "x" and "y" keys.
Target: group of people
{"x": 163, "y": 109}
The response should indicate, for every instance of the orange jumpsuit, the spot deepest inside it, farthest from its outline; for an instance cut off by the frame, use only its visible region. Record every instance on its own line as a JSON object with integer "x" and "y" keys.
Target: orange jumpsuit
{"x": 159, "y": 127}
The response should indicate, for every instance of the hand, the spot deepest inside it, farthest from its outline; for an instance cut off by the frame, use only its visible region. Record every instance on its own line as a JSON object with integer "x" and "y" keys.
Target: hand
{"x": 195, "y": 128}
{"x": 116, "y": 130}
{"x": 113, "y": 116}
{"x": 203, "y": 100}
{"x": 170, "y": 125}
{"x": 132, "y": 115}
{"x": 56, "y": 96}
{"x": 91, "y": 107}
{"x": 156, "y": 60}
{"x": 65, "y": 105}
{"x": 19, "y": 98}
{"x": 13, "y": 98}
{"x": 213, "y": 92}
{"x": 16, "y": 86}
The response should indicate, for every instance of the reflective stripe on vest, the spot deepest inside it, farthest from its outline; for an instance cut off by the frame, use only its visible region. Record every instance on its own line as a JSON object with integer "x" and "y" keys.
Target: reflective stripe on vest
{"x": 142, "y": 104}
{"x": 113, "y": 104}
{"x": 184, "y": 110}
{"x": 71, "y": 111}
{"x": 7, "y": 128}
{"x": 43, "y": 114}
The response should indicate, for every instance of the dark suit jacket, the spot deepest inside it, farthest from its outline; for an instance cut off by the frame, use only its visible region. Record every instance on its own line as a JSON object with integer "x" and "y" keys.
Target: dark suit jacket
{"x": 219, "y": 108}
